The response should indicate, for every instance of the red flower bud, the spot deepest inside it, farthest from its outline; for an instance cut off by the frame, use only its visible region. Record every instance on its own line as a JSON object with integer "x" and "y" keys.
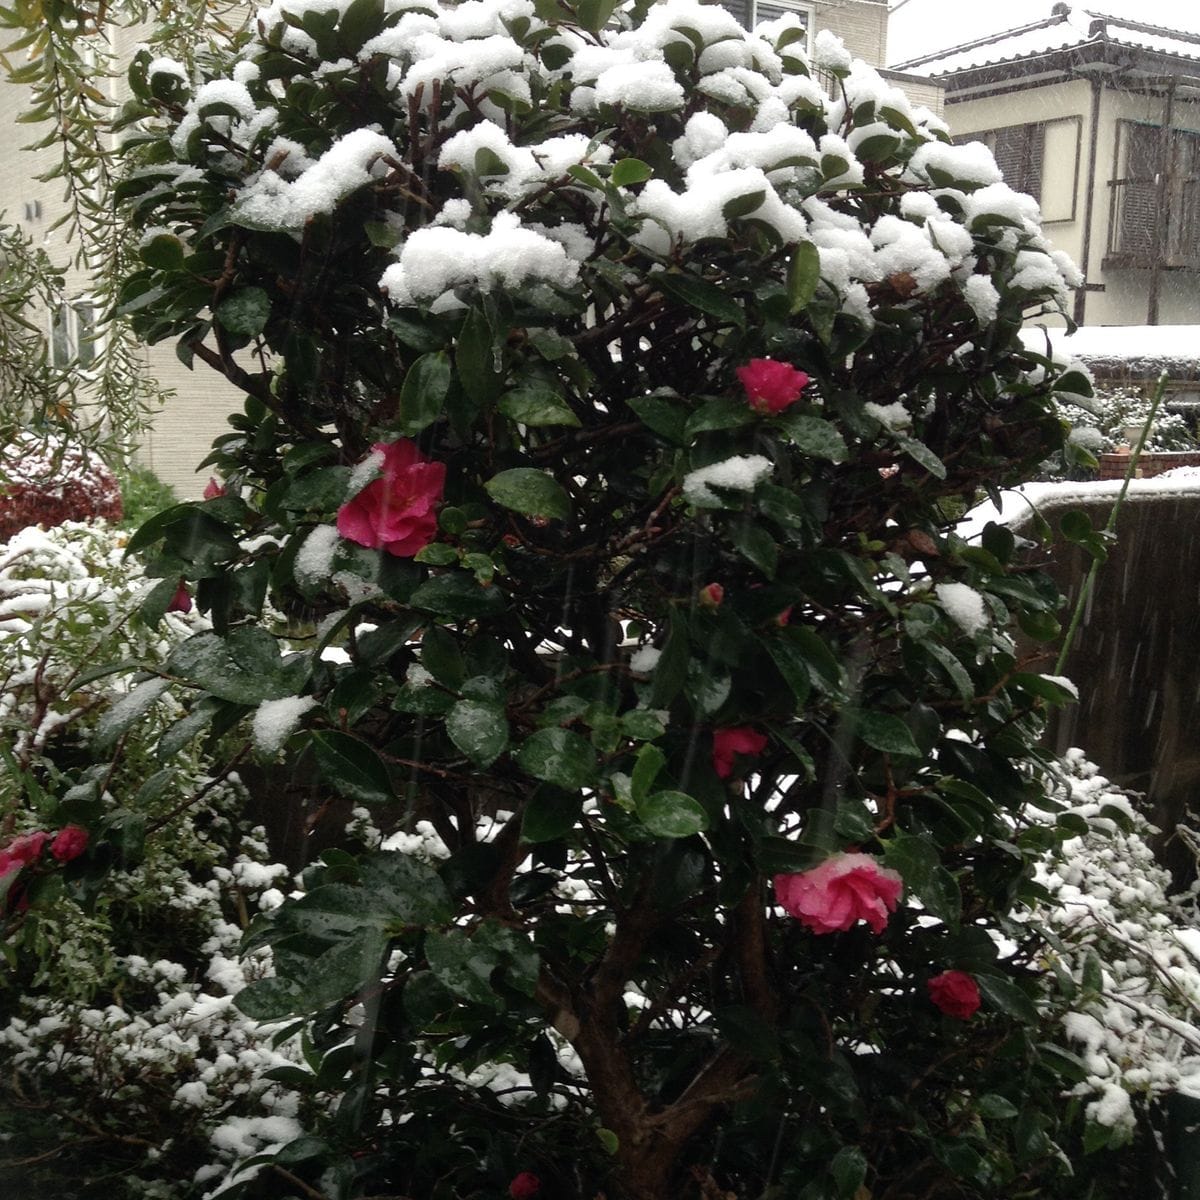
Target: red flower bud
{"x": 956, "y": 993}
{"x": 711, "y": 595}
{"x": 181, "y": 602}
{"x": 524, "y": 1186}
{"x": 738, "y": 739}
{"x": 771, "y": 386}
{"x": 213, "y": 489}
{"x": 70, "y": 842}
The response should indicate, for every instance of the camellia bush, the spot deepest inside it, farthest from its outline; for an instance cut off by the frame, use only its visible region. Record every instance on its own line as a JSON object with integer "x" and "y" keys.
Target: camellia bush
{"x": 609, "y": 377}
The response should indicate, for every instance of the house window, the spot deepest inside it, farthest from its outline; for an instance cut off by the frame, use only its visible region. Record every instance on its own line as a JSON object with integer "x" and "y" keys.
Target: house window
{"x": 73, "y": 334}
{"x": 753, "y": 12}
{"x": 1149, "y": 223}
{"x": 1040, "y": 159}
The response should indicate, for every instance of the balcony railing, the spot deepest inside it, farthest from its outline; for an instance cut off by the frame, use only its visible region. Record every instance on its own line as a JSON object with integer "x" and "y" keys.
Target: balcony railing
{"x": 1138, "y": 236}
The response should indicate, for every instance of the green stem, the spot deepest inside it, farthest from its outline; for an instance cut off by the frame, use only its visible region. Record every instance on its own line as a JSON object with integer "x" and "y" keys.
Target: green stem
{"x": 1090, "y": 581}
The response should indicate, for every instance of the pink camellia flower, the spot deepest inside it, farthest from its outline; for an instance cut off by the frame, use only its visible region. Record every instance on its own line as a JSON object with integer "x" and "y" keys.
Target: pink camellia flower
{"x": 21, "y": 851}
{"x": 711, "y": 595}
{"x": 524, "y": 1186}
{"x": 771, "y": 386}
{"x": 213, "y": 489}
{"x": 842, "y": 890}
{"x": 956, "y": 993}
{"x": 738, "y": 739}
{"x": 70, "y": 842}
{"x": 395, "y": 512}
{"x": 181, "y": 602}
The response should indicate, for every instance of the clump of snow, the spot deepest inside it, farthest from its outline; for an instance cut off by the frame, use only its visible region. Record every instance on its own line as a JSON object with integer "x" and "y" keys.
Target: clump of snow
{"x": 276, "y": 720}
{"x": 893, "y": 417}
{"x": 741, "y": 473}
{"x": 314, "y": 562}
{"x": 640, "y": 87}
{"x": 970, "y": 163}
{"x": 981, "y": 294}
{"x": 830, "y": 53}
{"x": 436, "y": 259}
{"x": 270, "y": 201}
{"x": 644, "y": 659}
{"x": 963, "y": 605}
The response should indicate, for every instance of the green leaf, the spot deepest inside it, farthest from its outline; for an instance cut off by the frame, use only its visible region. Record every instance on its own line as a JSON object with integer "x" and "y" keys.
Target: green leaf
{"x": 594, "y": 14}
{"x": 649, "y": 762}
{"x": 630, "y": 170}
{"x": 718, "y": 413}
{"x": 560, "y": 757}
{"x": 743, "y": 205}
{"x": 344, "y": 969}
{"x": 457, "y": 596}
{"x": 1006, "y": 997}
{"x": 793, "y": 666}
{"x": 700, "y": 294}
{"x": 667, "y": 418}
{"x": 853, "y": 821}
{"x": 478, "y": 359}
{"x": 441, "y": 657}
{"x": 813, "y": 436}
{"x": 245, "y": 312}
{"x": 950, "y": 664}
{"x": 670, "y": 672}
{"x": 401, "y": 889}
{"x": 586, "y": 176}
{"x": 995, "y": 1108}
{"x": 921, "y": 453}
{"x": 206, "y": 660}
{"x": 164, "y": 252}
{"x": 757, "y": 546}
{"x": 423, "y": 395}
{"x": 535, "y": 406}
{"x": 849, "y": 1170}
{"x": 360, "y": 21}
{"x": 127, "y": 711}
{"x": 672, "y": 815}
{"x": 463, "y": 967}
{"x": 352, "y": 768}
{"x": 270, "y": 999}
{"x": 877, "y": 147}
{"x": 550, "y": 814}
{"x": 529, "y": 491}
{"x": 823, "y": 668}
{"x": 804, "y": 274}
{"x": 479, "y": 730}
{"x": 608, "y": 1140}
{"x": 919, "y": 864}
{"x": 884, "y": 731}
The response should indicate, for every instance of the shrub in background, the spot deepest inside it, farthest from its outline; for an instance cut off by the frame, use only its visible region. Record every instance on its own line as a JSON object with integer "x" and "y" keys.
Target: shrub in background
{"x": 126, "y": 1070}
{"x": 1114, "y": 418}
{"x": 45, "y": 481}
{"x": 605, "y": 380}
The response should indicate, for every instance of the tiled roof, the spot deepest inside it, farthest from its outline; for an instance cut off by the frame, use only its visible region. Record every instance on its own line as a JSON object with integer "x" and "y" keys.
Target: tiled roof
{"x": 1077, "y": 27}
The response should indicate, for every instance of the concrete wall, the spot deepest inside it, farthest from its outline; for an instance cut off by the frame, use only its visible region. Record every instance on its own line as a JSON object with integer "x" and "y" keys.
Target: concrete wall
{"x": 861, "y": 24}
{"x": 182, "y": 431}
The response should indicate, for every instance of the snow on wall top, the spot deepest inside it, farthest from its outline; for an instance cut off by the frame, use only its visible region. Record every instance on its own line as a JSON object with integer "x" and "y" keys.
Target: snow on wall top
{"x": 1060, "y": 32}
{"x": 1140, "y": 348}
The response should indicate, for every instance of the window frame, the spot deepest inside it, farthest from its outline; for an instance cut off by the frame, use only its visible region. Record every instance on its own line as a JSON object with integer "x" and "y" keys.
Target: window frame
{"x": 65, "y": 340}
{"x": 800, "y": 7}
{"x": 988, "y": 137}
